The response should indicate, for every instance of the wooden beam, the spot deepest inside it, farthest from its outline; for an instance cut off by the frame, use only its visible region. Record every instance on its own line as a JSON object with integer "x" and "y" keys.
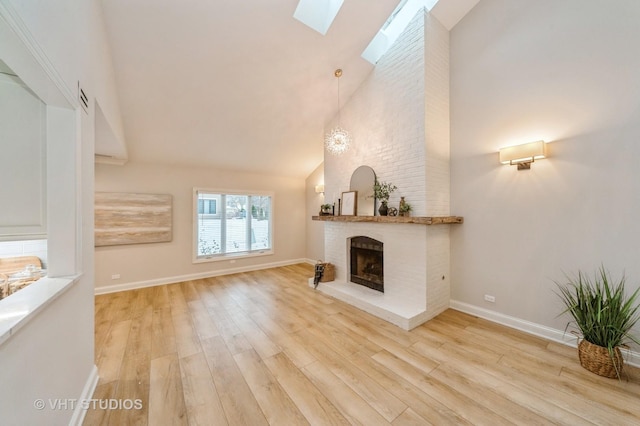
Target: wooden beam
{"x": 420, "y": 220}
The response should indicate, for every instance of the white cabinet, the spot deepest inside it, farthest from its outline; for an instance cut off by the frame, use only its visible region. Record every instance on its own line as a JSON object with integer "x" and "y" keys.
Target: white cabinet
{"x": 22, "y": 161}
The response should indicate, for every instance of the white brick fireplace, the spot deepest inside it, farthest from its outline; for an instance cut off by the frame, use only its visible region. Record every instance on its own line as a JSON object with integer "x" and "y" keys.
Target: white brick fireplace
{"x": 416, "y": 269}
{"x": 399, "y": 119}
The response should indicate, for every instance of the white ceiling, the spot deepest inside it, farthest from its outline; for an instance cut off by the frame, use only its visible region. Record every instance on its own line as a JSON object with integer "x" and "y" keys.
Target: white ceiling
{"x": 234, "y": 84}
{"x": 237, "y": 84}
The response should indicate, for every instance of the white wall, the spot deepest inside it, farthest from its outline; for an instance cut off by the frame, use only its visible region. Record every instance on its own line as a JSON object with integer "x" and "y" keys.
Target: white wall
{"x": 22, "y": 132}
{"x": 52, "y": 355}
{"x": 562, "y": 71}
{"x": 148, "y": 264}
{"x": 110, "y": 139}
{"x": 314, "y": 229}
{"x": 437, "y": 121}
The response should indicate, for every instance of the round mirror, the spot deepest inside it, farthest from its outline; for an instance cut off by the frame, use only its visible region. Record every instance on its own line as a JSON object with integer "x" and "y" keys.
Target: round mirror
{"x": 362, "y": 181}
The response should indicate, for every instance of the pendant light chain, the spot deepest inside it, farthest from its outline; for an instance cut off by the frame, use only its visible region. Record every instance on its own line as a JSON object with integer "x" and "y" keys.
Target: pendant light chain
{"x": 338, "y": 74}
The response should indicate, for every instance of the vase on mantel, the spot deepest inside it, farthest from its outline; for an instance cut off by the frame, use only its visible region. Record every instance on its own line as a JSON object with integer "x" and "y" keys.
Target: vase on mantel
{"x": 383, "y": 209}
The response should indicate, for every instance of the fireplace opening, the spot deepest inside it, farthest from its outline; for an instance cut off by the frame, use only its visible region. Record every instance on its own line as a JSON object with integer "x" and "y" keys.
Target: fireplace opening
{"x": 367, "y": 262}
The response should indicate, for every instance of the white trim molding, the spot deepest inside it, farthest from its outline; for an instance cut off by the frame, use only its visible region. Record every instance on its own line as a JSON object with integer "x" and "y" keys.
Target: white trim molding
{"x": 60, "y": 94}
{"x": 81, "y": 409}
{"x": 559, "y": 336}
{"x": 188, "y": 277}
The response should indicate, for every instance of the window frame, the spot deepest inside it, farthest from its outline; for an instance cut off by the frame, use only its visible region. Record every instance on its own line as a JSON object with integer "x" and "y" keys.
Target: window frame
{"x": 217, "y": 194}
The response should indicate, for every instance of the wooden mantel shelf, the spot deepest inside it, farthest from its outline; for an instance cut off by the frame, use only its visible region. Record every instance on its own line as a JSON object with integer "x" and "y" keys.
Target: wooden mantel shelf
{"x": 435, "y": 220}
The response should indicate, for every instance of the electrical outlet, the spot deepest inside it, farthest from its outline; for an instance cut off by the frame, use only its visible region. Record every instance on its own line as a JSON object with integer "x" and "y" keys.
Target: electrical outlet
{"x": 490, "y": 298}
{"x": 115, "y": 276}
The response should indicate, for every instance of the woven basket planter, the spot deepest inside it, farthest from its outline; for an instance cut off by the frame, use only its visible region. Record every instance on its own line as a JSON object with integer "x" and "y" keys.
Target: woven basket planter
{"x": 329, "y": 273}
{"x": 598, "y": 360}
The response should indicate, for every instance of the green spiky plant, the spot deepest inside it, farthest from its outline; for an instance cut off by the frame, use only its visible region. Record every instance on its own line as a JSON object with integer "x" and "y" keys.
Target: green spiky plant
{"x": 600, "y": 309}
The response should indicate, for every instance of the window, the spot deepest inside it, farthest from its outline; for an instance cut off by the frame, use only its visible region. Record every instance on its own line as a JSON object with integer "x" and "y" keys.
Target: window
{"x": 231, "y": 224}
{"x": 207, "y": 206}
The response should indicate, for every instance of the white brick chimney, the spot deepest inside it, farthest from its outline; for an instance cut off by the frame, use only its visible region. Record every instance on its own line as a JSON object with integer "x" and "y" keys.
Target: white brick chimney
{"x": 399, "y": 121}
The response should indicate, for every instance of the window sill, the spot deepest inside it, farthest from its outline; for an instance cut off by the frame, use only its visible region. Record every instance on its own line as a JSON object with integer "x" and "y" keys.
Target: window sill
{"x": 233, "y": 256}
{"x": 19, "y": 308}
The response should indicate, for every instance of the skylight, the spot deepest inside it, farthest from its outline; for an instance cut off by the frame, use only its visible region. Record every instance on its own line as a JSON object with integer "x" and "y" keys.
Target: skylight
{"x": 395, "y": 25}
{"x": 318, "y": 14}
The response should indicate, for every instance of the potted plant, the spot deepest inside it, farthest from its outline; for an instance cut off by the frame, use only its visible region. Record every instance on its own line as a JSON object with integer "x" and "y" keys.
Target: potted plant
{"x": 405, "y": 209}
{"x": 382, "y": 191}
{"x": 604, "y": 316}
{"x": 326, "y": 209}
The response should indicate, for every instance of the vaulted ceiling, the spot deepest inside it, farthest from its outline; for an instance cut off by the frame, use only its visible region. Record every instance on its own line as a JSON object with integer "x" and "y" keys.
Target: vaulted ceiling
{"x": 234, "y": 84}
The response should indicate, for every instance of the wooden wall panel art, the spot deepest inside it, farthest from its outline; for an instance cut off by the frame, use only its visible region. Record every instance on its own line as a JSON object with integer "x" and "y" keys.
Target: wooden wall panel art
{"x": 127, "y": 218}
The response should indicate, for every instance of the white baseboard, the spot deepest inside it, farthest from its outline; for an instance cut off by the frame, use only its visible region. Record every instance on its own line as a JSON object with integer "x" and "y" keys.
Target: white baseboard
{"x": 188, "y": 277}
{"x": 90, "y": 386}
{"x": 631, "y": 357}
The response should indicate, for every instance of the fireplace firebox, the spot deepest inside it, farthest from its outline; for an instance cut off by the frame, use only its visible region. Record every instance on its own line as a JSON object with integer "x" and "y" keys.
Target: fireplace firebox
{"x": 367, "y": 262}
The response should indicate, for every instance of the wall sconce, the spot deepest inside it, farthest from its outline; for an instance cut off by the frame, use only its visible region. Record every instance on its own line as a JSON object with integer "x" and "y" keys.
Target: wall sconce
{"x": 319, "y": 189}
{"x": 523, "y": 155}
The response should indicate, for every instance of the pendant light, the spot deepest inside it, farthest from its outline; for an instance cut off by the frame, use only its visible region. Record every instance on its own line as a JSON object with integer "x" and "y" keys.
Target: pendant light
{"x": 337, "y": 141}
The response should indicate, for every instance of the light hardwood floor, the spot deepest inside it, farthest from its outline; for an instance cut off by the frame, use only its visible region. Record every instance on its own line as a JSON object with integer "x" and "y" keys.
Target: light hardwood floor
{"x": 263, "y": 348}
